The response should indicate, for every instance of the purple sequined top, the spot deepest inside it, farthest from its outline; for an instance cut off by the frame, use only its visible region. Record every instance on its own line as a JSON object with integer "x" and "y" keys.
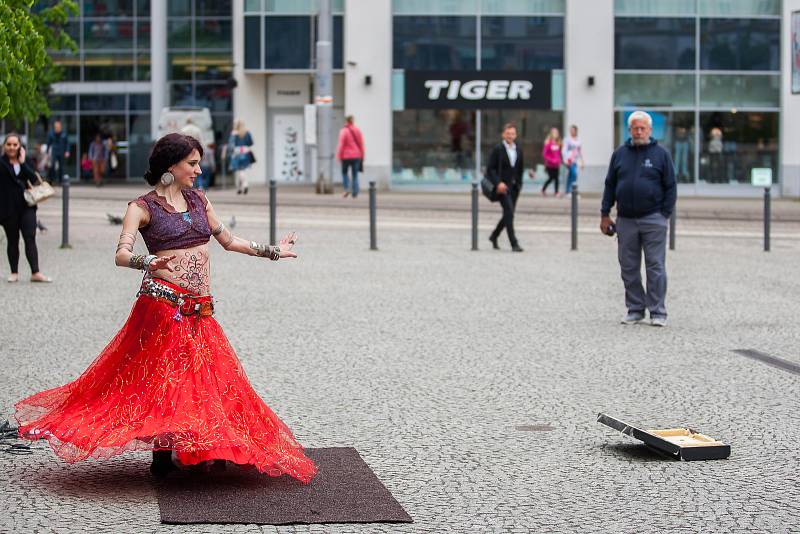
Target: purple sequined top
{"x": 171, "y": 230}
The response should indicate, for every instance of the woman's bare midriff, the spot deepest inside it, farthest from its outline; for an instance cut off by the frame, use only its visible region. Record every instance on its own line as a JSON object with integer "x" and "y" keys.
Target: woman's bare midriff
{"x": 192, "y": 269}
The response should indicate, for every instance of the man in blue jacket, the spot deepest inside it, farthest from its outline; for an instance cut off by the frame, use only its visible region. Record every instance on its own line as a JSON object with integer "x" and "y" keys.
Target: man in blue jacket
{"x": 58, "y": 146}
{"x": 641, "y": 181}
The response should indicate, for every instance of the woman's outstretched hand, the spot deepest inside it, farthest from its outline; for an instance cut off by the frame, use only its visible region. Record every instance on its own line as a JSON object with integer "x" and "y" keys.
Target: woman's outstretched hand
{"x": 162, "y": 262}
{"x": 286, "y": 244}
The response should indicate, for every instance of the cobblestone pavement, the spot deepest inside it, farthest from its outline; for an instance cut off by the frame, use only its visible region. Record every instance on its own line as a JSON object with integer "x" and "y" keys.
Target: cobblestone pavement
{"x": 426, "y": 357}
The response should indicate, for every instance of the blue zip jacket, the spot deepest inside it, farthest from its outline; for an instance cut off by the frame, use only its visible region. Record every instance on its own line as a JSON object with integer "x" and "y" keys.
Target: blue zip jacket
{"x": 640, "y": 180}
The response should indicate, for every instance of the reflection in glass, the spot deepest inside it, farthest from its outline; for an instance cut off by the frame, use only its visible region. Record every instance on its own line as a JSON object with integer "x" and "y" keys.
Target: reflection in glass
{"x": 739, "y": 8}
{"x": 143, "y": 67}
{"x": 108, "y": 33}
{"x": 735, "y": 143}
{"x": 433, "y": 145}
{"x": 107, "y": 8}
{"x": 181, "y": 65}
{"x": 523, "y": 7}
{"x": 287, "y": 42}
{"x": 520, "y": 43}
{"x": 179, "y": 8}
{"x": 740, "y": 90}
{"x": 179, "y": 34}
{"x": 653, "y": 90}
{"x": 649, "y": 7}
{"x": 446, "y": 43}
{"x": 108, "y": 67}
{"x": 654, "y": 43}
{"x": 740, "y": 44}
{"x": 181, "y": 94}
{"x": 213, "y": 66}
{"x": 435, "y": 7}
{"x": 102, "y": 102}
{"x": 216, "y": 97}
{"x": 213, "y": 33}
{"x": 252, "y": 42}
{"x": 213, "y": 8}
{"x": 143, "y": 34}
{"x": 139, "y": 143}
{"x": 112, "y": 129}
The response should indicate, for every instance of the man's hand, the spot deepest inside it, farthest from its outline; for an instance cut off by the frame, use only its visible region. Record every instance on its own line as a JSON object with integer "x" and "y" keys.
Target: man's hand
{"x": 502, "y": 188}
{"x": 605, "y": 222}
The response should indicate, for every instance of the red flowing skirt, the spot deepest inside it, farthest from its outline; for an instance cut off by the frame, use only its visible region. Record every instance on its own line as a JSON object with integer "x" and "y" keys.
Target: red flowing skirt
{"x": 165, "y": 382}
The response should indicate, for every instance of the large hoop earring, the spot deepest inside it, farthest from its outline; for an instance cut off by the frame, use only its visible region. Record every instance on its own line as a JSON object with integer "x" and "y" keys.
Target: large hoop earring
{"x": 167, "y": 178}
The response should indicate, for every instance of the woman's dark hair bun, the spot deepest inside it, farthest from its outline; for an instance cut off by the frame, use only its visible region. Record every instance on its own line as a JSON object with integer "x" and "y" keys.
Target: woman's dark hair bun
{"x": 169, "y": 150}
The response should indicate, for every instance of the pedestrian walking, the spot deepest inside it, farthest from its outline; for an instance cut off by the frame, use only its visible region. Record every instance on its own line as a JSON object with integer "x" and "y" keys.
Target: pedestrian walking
{"x": 15, "y": 215}
{"x": 351, "y": 153}
{"x": 206, "y": 163}
{"x": 551, "y": 152}
{"x": 240, "y": 154}
{"x": 573, "y": 156}
{"x": 505, "y": 171}
{"x": 58, "y": 151}
{"x": 98, "y": 154}
{"x": 170, "y": 381}
{"x": 641, "y": 182}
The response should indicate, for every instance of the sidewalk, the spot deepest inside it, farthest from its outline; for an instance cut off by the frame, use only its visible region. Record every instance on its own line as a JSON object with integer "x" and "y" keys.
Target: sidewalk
{"x": 733, "y": 209}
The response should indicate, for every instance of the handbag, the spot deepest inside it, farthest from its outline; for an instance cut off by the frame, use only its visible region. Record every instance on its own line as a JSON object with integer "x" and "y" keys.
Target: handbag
{"x": 488, "y": 187}
{"x": 39, "y": 192}
{"x": 251, "y": 157}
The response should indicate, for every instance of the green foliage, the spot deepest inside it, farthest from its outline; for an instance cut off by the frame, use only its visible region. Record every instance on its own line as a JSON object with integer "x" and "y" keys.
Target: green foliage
{"x": 27, "y": 33}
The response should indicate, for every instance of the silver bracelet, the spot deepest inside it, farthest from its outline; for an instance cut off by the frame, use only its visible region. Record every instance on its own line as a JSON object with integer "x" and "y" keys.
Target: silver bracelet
{"x": 150, "y": 258}
{"x": 265, "y": 251}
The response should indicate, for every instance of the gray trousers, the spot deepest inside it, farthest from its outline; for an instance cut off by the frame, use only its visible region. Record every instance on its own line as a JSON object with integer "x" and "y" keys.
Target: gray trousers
{"x": 648, "y": 234}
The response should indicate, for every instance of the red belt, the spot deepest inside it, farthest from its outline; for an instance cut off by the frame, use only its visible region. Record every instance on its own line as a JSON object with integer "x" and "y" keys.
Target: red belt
{"x": 186, "y": 303}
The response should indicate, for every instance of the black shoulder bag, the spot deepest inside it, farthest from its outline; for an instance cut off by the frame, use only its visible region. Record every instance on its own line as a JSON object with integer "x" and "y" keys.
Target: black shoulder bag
{"x": 488, "y": 187}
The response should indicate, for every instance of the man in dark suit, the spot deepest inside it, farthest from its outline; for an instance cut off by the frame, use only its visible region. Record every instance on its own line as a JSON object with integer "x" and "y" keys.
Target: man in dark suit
{"x": 505, "y": 169}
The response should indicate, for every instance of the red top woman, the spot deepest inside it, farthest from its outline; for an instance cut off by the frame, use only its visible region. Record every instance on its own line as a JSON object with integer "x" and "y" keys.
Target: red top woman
{"x": 169, "y": 381}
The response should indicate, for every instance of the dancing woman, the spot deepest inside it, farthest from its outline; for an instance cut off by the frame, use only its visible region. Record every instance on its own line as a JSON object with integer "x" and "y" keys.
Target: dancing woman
{"x": 169, "y": 381}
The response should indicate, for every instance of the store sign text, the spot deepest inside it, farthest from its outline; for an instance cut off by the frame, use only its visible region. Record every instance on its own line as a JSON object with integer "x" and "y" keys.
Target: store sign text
{"x": 477, "y": 89}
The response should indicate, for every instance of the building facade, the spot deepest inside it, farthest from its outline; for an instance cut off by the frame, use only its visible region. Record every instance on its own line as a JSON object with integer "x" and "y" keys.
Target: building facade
{"x": 431, "y": 82}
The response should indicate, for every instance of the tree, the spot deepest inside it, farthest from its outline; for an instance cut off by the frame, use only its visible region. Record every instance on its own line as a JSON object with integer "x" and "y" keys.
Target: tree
{"x": 27, "y": 34}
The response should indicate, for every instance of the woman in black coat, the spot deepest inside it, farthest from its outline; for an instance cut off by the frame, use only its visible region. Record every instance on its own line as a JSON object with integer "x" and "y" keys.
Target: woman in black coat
{"x": 15, "y": 214}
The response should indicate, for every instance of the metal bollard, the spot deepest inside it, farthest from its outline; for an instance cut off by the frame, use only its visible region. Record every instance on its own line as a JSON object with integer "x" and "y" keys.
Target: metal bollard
{"x": 767, "y": 216}
{"x": 373, "y": 233}
{"x": 575, "y": 217}
{"x": 474, "y": 215}
{"x": 65, "y": 212}
{"x": 672, "y": 229}
{"x": 273, "y": 208}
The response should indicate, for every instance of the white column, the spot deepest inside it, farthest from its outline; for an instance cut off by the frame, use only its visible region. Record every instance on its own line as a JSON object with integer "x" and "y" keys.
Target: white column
{"x": 589, "y": 52}
{"x": 789, "y": 167}
{"x": 159, "y": 93}
{"x": 368, "y": 52}
{"x": 249, "y": 99}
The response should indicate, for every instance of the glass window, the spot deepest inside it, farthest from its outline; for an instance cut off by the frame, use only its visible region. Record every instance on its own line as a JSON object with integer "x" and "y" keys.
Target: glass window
{"x": 252, "y": 42}
{"x": 287, "y": 42}
{"x": 740, "y": 44}
{"x": 213, "y": 33}
{"x": 740, "y": 8}
{"x": 71, "y": 65}
{"x": 139, "y": 102}
{"x": 216, "y": 97}
{"x": 522, "y": 43}
{"x": 253, "y": 6}
{"x": 734, "y": 143}
{"x": 181, "y": 94}
{"x": 213, "y": 66}
{"x": 654, "y": 43}
{"x": 298, "y": 7}
{"x": 143, "y": 67}
{"x": 213, "y": 8}
{"x": 102, "y": 102}
{"x": 143, "y": 8}
{"x": 435, "y": 7}
{"x": 107, "y": 8}
{"x": 181, "y": 66}
{"x": 179, "y": 33}
{"x": 532, "y": 129}
{"x": 656, "y": 90}
{"x": 180, "y": 8}
{"x": 143, "y": 34}
{"x": 139, "y": 142}
{"x": 523, "y": 7}
{"x": 649, "y": 7}
{"x": 733, "y": 90}
{"x": 338, "y": 39}
{"x": 433, "y": 145}
{"x": 108, "y": 34}
{"x": 434, "y": 43}
{"x": 108, "y": 67}
{"x": 675, "y": 131}
{"x": 61, "y": 102}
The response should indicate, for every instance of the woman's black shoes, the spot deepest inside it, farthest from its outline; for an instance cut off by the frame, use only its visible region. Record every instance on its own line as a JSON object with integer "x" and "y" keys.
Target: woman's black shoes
{"x": 162, "y": 464}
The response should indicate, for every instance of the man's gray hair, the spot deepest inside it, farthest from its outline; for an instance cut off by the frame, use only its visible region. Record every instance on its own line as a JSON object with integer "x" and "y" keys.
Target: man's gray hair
{"x": 640, "y": 115}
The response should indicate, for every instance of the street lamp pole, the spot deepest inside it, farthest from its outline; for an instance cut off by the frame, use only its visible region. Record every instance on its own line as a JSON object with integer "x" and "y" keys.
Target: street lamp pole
{"x": 324, "y": 97}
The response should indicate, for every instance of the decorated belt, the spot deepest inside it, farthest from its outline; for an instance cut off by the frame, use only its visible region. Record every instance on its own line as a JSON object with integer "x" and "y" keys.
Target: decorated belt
{"x": 186, "y": 304}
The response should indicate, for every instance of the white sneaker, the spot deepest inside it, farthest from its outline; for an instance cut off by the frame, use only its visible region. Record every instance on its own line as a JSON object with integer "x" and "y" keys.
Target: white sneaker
{"x": 658, "y": 321}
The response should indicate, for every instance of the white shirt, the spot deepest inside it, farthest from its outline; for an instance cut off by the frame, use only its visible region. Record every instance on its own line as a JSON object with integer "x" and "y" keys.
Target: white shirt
{"x": 17, "y": 168}
{"x": 511, "y": 150}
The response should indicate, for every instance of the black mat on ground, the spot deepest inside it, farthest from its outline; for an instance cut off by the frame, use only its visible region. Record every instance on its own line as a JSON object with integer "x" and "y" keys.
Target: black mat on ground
{"x": 345, "y": 490}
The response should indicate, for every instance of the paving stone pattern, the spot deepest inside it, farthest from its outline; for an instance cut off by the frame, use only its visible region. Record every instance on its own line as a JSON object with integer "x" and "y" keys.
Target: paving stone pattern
{"x": 426, "y": 356}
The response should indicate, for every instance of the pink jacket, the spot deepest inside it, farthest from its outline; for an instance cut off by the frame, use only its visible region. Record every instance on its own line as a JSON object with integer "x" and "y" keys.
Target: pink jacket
{"x": 551, "y": 152}
{"x": 351, "y": 143}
